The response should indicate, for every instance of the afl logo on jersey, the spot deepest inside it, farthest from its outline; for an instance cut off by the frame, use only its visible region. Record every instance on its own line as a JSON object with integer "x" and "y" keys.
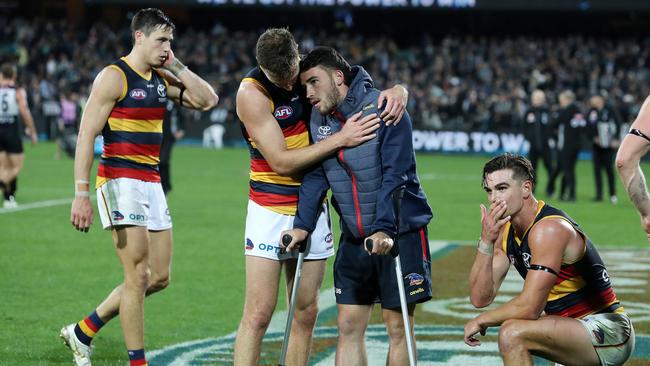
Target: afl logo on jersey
{"x": 138, "y": 94}
{"x": 283, "y": 112}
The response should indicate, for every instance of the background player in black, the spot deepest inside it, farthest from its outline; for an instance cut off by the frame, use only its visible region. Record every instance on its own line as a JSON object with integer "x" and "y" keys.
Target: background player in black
{"x": 569, "y": 124}
{"x": 537, "y": 130}
{"x": 13, "y": 102}
{"x": 173, "y": 130}
{"x": 603, "y": 128}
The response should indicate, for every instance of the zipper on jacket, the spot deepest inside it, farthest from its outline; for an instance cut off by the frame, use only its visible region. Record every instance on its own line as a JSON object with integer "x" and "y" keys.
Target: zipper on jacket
{"x": 355, "y": 194}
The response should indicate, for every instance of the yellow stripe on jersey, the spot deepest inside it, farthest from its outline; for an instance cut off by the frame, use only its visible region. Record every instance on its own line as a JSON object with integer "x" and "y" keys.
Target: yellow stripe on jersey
{"x": 566, "y": 287}
{"x": 143, "y": 159}
{"x": 272, "y": 177}
{"x": 262, "y": 89}
{"x": 136, "y": 71}
{"x": 136, "y": 125}
{"x": 284, "y": 210}
{"x": 100, "y": 181}
{"x": 125, "y": 86}
{"x": 297, "y": 141}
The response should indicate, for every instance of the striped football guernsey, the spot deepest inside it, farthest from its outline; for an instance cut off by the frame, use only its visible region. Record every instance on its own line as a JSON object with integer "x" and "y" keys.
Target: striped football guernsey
{"x": 291, "y": 112}
{"x": 581, "y": 288}
{"x": 133, "y": 132}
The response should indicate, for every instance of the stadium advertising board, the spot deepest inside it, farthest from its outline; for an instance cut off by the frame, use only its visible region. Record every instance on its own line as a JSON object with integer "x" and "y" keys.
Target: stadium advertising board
{"x": 525, "y": 5}
{"x": 472, "y": 142}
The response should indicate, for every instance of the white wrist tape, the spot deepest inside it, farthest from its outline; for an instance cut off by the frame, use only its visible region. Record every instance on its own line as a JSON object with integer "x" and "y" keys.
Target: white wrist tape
{"x": 485, "y": 248}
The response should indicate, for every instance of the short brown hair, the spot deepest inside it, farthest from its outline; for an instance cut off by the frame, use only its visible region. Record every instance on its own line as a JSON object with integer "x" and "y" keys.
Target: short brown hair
{"x": 8, "y": 71}
{"x": 147, "y": 20}
{"x": 277, "y": 52}
{"x": 522, "y": 169}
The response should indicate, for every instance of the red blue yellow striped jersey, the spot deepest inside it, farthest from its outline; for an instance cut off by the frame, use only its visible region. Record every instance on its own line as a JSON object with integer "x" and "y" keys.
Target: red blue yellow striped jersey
{"x": 133, "y": 133}
{"x": 582, "y": 287}
{"x": 291, "y": 112}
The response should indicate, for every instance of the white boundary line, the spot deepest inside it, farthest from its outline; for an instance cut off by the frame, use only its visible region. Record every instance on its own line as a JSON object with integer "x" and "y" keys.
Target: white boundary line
{"x": 38, "y": 204}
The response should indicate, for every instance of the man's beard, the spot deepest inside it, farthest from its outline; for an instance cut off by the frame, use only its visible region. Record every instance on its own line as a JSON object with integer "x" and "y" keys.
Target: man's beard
{"x": 332, "y": 97}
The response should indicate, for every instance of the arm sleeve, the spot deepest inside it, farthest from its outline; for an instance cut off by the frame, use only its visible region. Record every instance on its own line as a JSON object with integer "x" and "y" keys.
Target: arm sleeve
{"x": 396, "y": 154}
{"x": 310, "y": 196}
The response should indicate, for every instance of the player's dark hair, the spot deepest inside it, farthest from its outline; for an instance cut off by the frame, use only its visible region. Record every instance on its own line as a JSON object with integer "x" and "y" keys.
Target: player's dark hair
{"x": 522, "y": 169}
{"x": 328, "y": 58}
{"x": 8, "y": 71}
{"x": 277, "y": 52}
{"x": 147, "y": 20}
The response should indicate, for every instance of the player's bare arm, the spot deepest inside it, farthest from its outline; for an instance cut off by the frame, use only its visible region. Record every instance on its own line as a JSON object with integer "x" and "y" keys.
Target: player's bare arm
{"x": 26, "y": 114}
{"x": 197, "y": 93}
{"x": 548, "y": 241}
{"x": 628, "y": 160}
{"x": 396, "y": 99}
{"x": 254, "y": 110}
{"x": 106, "y": 90}
{"x": 491, "y": 264}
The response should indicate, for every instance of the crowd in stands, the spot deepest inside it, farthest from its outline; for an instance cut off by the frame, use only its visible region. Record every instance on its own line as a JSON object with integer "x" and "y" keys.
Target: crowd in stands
{"x": 457, "y": 82}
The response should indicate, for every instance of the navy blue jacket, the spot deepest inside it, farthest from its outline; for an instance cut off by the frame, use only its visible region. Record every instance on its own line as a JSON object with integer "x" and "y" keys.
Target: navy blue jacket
{"x": 364, "y": 177}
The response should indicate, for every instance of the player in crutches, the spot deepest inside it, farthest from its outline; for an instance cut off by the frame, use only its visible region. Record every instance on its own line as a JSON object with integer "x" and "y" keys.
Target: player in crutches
{"x": 362, "y": 180}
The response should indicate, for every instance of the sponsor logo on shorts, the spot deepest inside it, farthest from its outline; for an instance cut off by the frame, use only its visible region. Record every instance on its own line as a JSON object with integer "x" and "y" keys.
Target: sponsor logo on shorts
{"x": 328, "y": 238}
{"x": 416, "y": 291}
{"x": 249, "y": 244}
{"x": 137, "y": 217}
{"x": 138, "y": 94}
{"x": 599, "y": 334}
{"x": 338, "y": 291}
{"x": 117, "y": 216}
{"x": 283, "y": 112}
{"x": 415, "y": 279}
{"x": 268, "y": 248}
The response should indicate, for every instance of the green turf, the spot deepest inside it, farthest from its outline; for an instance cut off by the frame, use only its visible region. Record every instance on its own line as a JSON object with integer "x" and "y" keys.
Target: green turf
{"x": 52, "y": 275}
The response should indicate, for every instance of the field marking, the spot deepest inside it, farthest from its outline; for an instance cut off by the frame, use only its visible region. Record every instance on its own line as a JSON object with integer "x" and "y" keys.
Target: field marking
{"x": 38, "y": 204}
{"x": 326, "y": 300}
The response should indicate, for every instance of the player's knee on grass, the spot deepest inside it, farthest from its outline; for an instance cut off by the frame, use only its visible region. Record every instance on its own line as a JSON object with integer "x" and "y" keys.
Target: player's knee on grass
{"x": 350, "y": 327}
{"x": 394, "y": 327}
{"x": 137, "y": 277}
{"x": 511, "y": 336}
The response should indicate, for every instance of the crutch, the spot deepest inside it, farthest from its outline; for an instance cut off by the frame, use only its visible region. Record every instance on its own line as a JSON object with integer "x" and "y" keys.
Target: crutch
{"x": 302, "y": 247}
{"x": 394, "y": 252}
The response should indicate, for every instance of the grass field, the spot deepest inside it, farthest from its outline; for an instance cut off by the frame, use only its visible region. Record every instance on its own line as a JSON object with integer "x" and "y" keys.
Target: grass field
{"x": 52, "y": 275}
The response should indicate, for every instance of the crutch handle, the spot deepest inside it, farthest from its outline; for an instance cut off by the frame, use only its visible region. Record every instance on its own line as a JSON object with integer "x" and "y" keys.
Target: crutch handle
{"x": 286, "y": 240}
{"x": 394, "y": 251}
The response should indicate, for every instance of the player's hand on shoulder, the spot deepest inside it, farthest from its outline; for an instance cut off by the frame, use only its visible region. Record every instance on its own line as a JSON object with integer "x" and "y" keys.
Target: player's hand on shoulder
{"x": 297, "y": 236}
{"x": 358, "y": 130}
{"x": 81, "y": 214}
{"x": 395, "y": 99}
{"x": 381, "y": 243}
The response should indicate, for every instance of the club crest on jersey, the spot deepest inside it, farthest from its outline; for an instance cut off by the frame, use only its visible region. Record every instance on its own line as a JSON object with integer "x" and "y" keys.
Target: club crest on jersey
{"x": 283, "y": 112}
{"x": 138, "y": 94}
{"x": 162, "y": 91}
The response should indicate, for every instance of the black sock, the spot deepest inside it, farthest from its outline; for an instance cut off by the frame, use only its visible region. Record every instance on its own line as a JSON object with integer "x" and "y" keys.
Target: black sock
{"x": 12, "y": 186}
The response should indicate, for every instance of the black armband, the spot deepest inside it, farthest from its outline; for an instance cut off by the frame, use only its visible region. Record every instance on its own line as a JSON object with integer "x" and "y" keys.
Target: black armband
{"x": 181, "y": 96}
{"x": 539, "y": 267}
{"x": 637, "y": 132}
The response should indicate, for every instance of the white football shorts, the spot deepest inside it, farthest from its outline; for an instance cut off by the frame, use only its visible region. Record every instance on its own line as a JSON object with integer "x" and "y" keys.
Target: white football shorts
{"x": 126, "y": 201}
{"x": 263, "y": 229}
